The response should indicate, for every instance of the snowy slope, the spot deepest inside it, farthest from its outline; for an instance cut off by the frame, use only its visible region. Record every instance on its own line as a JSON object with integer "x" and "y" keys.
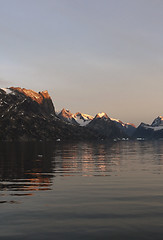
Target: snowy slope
{"x": 77, "y": 118}
{"x": 156, "y": 125}
{"x": 158, "y": 122}
{"x": 82, "y": 119}
{"x": 102, "y": 115}
{"x": 153, "y": 131}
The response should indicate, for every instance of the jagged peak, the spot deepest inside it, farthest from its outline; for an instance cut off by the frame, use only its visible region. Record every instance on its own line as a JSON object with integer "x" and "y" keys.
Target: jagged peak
{"x": 45, "y": 94}
{"x": 7, "y": 90}
{"x": 37, "y": 97}
{"x": 102, "y": 115}
{"x": 66, "y": 113}
{"x": 157, "y": 121}
{"x": 83, "y": 115}
{"x": 65, "y": 110}
{"x": 159, "y": 117}
{"x": 78, "y": 114}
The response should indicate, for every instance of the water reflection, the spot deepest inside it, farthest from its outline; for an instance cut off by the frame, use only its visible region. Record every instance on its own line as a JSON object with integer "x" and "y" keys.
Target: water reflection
{"x": 87, "y": 159}
{"x": 25, "y": 167}
{"x": 97, "y": 190}
{"x": 29, "y": 167}
{"x": 105, "y": 158}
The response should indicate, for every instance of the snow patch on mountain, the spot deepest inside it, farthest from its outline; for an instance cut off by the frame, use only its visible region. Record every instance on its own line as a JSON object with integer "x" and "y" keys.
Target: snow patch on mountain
{"x": 157, "y": 122}
{"x": 102, "y": 115}
{"x": 156, "y": 125}
{"x": 77, "y": 118}
{"x": 7, "y": 90}
{"x": 157, "y": 128}
{"x": 82, "y": 119}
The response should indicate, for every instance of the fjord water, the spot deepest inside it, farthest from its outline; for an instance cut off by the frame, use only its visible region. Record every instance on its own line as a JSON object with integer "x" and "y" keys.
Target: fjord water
{"x": 95, "y": 190}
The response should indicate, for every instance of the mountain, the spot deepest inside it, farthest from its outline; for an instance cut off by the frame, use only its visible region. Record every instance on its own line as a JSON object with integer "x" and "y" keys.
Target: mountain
{"x": 26, "y": 115}
{"x": 77, "y": 118}
{"x": 153, "y": 131}
{"x": 101, "y": 116}
{"x": 158, "y": 122}
{"x": 127, "y": 128}
{"x": 104, "y": 126}
{"x": 67, "y": 116}
{"x": 84, "y": 119}
{"x": 41, "y": 101}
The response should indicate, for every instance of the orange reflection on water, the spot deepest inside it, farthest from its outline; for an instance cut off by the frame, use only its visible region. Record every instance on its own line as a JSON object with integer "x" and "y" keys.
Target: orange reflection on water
{"x": 87, "y": 159}
{"x": 39, "y": 182}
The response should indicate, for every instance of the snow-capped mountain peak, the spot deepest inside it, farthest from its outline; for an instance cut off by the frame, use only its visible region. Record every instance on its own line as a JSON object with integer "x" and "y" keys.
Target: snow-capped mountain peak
{"x": 7, "y": 90}
{"x": 102, "y": 115}
{"x": 157, "y": 122}
{"x": 66, "y": 113}
{"x": 82, "y": 119}
{"x": 77, "y": 118}
{"x": 84, "y": 116}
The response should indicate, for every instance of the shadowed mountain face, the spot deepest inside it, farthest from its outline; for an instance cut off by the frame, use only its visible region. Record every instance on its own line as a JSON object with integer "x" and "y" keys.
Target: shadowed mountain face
{"x": 127, "y": 128}
{"x": 103, "y": 125}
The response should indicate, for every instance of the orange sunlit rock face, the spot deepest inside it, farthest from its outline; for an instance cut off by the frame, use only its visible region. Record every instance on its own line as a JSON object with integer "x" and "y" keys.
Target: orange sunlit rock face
{"x": 66, "y": 113}
{"x": 38, "y": 97}
{"x": 45, "y": 94}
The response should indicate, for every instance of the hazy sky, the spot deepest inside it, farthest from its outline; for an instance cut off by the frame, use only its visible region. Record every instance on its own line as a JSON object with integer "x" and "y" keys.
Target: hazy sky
{"x": 91, "y": 55}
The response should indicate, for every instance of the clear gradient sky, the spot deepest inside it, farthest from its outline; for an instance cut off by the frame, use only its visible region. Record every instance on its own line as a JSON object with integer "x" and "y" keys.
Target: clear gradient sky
{"x": 91, "y": 55}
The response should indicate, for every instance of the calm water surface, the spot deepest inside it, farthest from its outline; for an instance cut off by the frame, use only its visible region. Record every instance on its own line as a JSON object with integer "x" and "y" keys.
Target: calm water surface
{"x": 81, "y": 190}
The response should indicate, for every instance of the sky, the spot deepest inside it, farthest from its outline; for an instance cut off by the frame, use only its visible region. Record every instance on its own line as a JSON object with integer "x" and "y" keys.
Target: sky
{"x": 91, "y": 55}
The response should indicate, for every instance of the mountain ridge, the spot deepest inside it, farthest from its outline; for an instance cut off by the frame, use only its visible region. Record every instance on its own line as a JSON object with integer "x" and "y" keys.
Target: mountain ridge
{"x": 66, "y": 115}
{"x": 28, "y": 115}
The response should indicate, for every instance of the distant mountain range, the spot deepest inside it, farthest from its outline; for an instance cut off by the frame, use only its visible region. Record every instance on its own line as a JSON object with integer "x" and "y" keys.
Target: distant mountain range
{"x": 81, "y": 119}
{"x": 26, "y": 115}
